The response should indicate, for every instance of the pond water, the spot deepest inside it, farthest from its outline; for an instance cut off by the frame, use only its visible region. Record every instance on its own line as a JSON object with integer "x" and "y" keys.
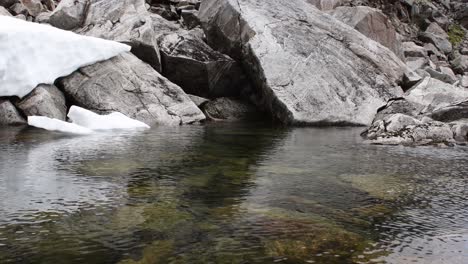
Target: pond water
{"x": 229, "y": 193}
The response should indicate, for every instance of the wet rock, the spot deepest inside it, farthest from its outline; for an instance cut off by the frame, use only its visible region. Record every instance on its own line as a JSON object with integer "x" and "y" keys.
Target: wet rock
{"x": 44, "y": 100}
{"x": 69, "y": 14}
{"x": 436, "y": 35}
{"x": 307, "y": 67}
{"x": 123, "y": 21}
{"x": 372, "y": 23}
{"x": 128, "y": 85}
{"x": 9, "y": 115}
{"x": 229, "y": 109}
{"x": 410, "y": 49}
{"x": 198, "y": 69}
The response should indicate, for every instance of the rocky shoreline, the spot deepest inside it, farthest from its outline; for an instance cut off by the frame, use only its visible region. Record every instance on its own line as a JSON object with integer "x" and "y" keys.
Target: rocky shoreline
{"x": 399, "y": 67}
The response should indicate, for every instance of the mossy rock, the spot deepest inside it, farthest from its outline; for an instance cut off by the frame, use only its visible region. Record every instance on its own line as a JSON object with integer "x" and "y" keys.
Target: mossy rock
{"x": 456, "y": 34}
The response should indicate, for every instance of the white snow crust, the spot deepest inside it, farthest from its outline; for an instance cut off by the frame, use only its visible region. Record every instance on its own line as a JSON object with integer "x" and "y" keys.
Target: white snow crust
{"x": 86, "y": 122}
{"x": 31, "y": 54}
{"x": 53, "y": 124}
{"x": 91, "y": 120}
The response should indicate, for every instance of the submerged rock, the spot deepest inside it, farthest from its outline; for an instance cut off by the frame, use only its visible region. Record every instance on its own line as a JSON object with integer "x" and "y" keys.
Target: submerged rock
{"x": 127, "y": 85}
{"x": 44, "y": 100}
{"x": 308, "y": 67}
{"x": 9, "y": 115}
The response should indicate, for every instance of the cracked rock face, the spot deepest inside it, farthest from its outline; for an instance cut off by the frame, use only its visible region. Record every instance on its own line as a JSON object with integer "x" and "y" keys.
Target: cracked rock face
{"x": 126, "y": 21}
{"x": 198, "y": 69}
{"x": 127, "y": 85}
{"x": 308, "y": 68}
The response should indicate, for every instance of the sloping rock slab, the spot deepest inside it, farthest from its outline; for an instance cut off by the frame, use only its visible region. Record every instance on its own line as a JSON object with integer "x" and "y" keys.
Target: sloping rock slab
{"x": 308, "y": 68}
{"x": 127, "y": 85}
{"x": 126, "y": 21}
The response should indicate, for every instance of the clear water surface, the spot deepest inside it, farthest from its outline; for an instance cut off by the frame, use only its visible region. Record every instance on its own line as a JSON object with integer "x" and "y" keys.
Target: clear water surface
{"x": 229, "y": 193}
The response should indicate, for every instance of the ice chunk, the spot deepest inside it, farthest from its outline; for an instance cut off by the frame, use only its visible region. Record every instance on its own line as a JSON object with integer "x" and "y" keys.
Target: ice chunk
{"x": 91, "y": 120}
{"x": 53, "y": 124}
{"x": 31, "y": 54}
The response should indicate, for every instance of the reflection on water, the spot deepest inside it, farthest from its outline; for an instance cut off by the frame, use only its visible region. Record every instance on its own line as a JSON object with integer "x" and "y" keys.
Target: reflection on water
{"x": 229, "y": 193}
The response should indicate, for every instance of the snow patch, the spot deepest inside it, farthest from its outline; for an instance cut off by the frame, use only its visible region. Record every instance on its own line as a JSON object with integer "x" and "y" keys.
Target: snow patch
{"x": 53, "y": 124}
{"x": 31, "y": 54}
{"x": 86, "y": 122}
{"x": 91, "y": 120}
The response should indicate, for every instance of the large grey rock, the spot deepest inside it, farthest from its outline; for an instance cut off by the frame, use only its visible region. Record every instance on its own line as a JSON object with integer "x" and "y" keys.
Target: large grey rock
{"x": 308, "y": 68}
{"x": 44, "y": 100}
{"x": 372, "y": 23}
{"x": 9, "y": 115}
{"x": 198, "y": 69}
{"x": 69, "y": 14}
{"x": 229, "y": 109}
{"x": 436, "y": 35}
{"x": 132, "y": 87}
{"x": 126, "y": 21}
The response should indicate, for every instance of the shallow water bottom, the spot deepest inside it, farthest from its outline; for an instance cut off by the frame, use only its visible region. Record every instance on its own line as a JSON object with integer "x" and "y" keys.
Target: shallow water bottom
{"x": 229, "y": 193}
